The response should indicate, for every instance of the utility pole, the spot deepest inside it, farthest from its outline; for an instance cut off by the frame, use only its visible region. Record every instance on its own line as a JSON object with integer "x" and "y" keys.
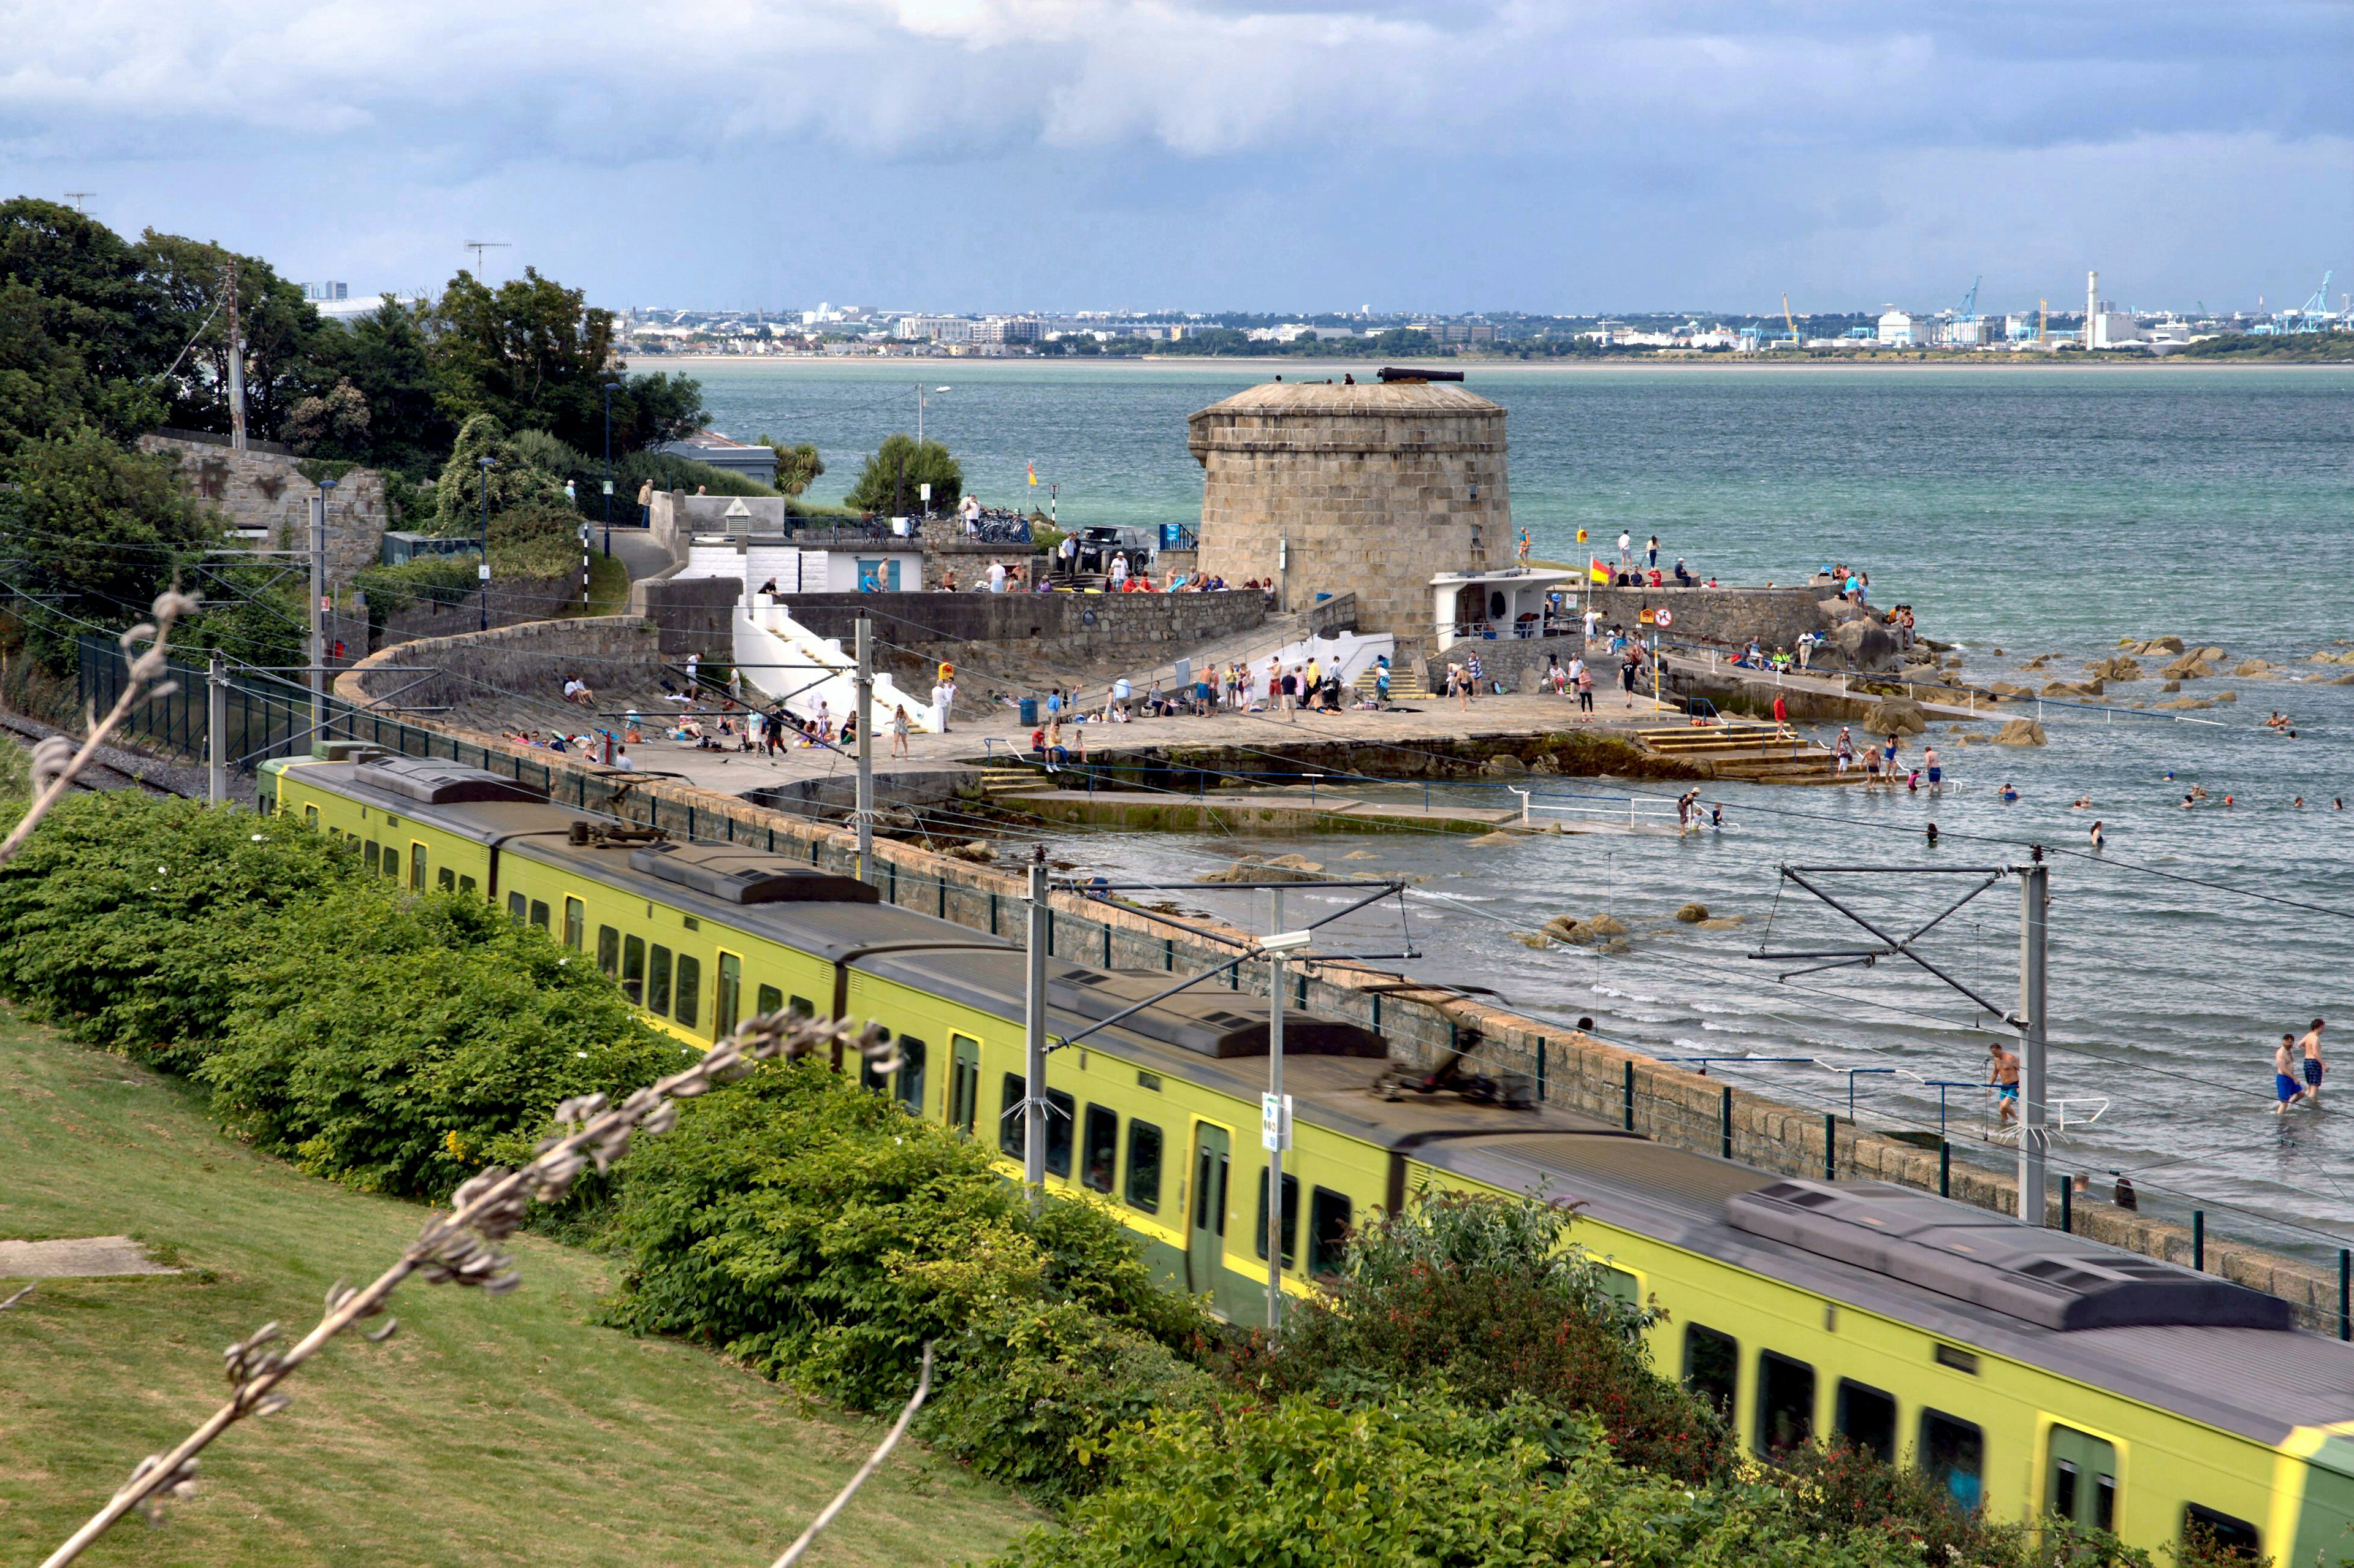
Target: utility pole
{"x": 2034, "y": 1138}
{"x": 1033, "y": 1027}
{"x": 236, "y": 359}
{"x": 1275, "y": 1126}
{"x": 216, "y": 730}
{"x": 483, "y": 573}
{"x": 865, "y": 709}
{"x": 319, "y": 606}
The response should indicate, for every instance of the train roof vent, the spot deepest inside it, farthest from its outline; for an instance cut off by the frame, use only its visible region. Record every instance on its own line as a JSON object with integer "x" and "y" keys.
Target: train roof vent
{"x": 429, "y": 782}
{"x": 742, "y": 876}
{"x": 2047, "y": 1277}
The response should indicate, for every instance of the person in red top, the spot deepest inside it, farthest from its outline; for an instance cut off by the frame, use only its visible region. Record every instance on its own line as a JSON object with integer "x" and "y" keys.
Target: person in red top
{"x": 1781, "y": 709}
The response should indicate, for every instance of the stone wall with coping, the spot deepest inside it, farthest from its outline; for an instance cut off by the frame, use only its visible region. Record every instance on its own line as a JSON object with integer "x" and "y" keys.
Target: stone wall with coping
{"x": 694, "y": 615}
{"x": 532, "y": 658}
{"x": 266, "y": 490}
{"x": 1014, "y": 633}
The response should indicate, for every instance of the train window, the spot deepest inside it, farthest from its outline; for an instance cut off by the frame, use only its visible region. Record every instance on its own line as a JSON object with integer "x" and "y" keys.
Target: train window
{"x": 1060, "y": 1110}
{"x": 770, "y": 1000}
{"x": 634, "y": 967}
{"x": 1291, "y": 1216}
{"x": 1785, "y": 1403}
{"x": 1953, "y": 1456}
{"x": 2210, "y": 1535}
{"x": 2082, "y": 1481}
{"x": 1867, "y": 1418}
{"x": 689, "y": 998}
{"x": 608, "y": 950}
{"x": 310, "y": 816}
{"x": 868, "y": 1078}
{"x": 415, "y": 867}
{"x": 1712, "y": 1367}
{"x": 1010, "y": 1125}
{"x": 370, "y": 854}
{"x": 658, "y": 980}
{"x": 1960, "y": 1360}
{"x": 539, "y": 915}
{"x": 516, "y": 907}
{"x": 729, "y": 998}
{"x": 1144, "y": 1166}
{"x": 911, "y": 1084}
{"x": 1328, "y": 1230}
{"x": 691, "y": 923}
{"x": 392, "y": 860}
{"x": 800, "y": 1007}
{"x": 1100, "y": 1149}
{"x": 1622, "y": 1285}
{"x": 576, "y": 923}
{"x": 447, "y": 880}
{"x": 465, "y": 887}
{"x": 1210, "y": 1210}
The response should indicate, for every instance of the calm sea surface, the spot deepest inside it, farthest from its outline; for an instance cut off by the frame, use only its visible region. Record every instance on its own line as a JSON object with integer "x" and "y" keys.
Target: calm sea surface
{"x": 2035, "y": 510}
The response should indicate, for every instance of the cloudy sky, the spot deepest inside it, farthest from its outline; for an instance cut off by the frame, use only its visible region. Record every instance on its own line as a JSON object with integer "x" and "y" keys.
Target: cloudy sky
{"x": 1268, "y": 155}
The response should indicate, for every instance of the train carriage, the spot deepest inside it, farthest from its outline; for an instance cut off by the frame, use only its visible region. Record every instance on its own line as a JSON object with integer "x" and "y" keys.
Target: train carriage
{"x": 2031, "y": 1373}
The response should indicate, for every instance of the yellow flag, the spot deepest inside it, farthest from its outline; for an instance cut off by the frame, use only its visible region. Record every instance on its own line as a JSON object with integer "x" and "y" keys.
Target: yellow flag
{"x": 1033, "y": 474}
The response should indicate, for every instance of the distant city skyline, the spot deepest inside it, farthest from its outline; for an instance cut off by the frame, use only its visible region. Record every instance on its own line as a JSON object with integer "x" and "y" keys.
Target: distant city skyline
{"x": 1265, "y": 155}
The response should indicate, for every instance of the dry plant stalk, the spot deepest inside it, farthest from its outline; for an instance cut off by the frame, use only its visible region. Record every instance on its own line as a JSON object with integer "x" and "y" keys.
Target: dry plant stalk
{"x": 58, "y": 762}
{"x": 461, "y": 1247}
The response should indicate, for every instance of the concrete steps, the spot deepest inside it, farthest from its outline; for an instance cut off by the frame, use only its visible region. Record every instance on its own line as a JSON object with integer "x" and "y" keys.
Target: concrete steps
{"x": 1405, "y": 683}
{"x": 1001, "y": 781}
{"x": 1754, "y": 753}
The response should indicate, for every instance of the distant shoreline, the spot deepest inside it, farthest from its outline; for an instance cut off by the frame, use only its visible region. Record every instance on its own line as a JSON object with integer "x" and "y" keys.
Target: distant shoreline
{"x": 1365, "y": 369}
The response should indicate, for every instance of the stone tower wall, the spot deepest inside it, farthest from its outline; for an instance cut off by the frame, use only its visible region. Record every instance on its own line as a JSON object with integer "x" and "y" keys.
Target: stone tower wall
{"x": 1374, "y": 490}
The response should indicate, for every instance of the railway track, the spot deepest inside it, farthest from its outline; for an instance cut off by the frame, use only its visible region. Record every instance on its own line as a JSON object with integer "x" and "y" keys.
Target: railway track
{"x": 109, "y": 769}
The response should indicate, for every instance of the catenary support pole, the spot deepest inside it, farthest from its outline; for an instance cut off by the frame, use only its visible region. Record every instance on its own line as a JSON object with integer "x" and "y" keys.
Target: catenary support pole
{"x": 1271, "y": 1117}
{"x": 865, "y": 709}
{"x": 2034, "y": 1138}
{"x": 216, "y": 730}
{"x": 1034, "y": 1023}
{"x": 318, "y": 681}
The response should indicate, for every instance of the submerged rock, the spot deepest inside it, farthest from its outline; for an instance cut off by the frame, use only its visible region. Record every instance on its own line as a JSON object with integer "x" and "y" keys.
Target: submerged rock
{"x": 2019, "y": 732}
{"x": 1896, "y": 715}
{"x": 1693, "y": 913}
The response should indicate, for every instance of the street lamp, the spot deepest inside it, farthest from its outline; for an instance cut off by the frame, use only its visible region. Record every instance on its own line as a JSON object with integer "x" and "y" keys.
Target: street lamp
{"x": 484, "y": 573}
{"x": 1275, "y": 1107}
{"x": 922, "y": 398}
{"x": 610, "y": 387}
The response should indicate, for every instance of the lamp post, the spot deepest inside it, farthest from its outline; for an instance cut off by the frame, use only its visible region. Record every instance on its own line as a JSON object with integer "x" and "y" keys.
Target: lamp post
{"x": 484, "y": 573}
{"x": 1275, "y": 1107}
{"x": 923, "y": 397}
{"x": 610, "y": 387}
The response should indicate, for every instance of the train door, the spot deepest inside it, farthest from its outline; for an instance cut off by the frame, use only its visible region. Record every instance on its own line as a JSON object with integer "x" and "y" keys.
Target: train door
{"x": 729, "y": 998}
{"x": 1205, "y": 1244}
{"x": 964, "y": 1082}
{"x": 2080, "y": 1478}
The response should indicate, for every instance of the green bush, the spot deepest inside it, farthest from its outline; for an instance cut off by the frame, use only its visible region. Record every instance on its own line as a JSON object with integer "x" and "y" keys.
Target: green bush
{"x": 127, "y": 918}
{"x": 821, "y": 1233}
{"x": 399, "y": 1043}
{"x": 1417, "y": 1482}
{"x": 1485, "y": 1296}
{"x": 1836, "y": 1490}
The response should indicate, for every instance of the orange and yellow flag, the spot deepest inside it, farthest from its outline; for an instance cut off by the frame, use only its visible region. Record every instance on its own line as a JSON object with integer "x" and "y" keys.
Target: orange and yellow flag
{"x": 1598, "y": 572}
{"x": 1033, "y": 474}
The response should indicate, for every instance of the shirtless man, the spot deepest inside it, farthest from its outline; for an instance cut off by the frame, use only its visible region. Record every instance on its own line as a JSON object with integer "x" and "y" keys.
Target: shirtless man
{"x": 2311, "y": 1046}
{"x": 2002, "y": 1071}
{"x": 2286, "y": 1092}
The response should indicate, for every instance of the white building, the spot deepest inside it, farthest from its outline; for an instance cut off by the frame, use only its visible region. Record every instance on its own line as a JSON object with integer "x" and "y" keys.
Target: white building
{"x": 1899, "y": 330}
{"x": 2113, "y": 328}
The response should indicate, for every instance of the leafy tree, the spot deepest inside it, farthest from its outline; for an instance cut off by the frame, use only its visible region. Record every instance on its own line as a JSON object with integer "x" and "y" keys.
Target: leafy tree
{"x": 889, "y": 482}
{"x": 101, "y": 532}
{"x": 44, "y": 390}
{"x": 511, "y": 480}
{"x": 384, "y": 356}
{"x": 333, "y": 423}
{"x": 281, "y": 330}
{"x": 100, "y": 302}
{"x": 534, "y": 355}
{"x": 798, "y": 466}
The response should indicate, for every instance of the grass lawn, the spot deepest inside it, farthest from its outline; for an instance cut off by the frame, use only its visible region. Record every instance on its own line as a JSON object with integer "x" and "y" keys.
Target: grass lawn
{"x": 484, "y": 1431}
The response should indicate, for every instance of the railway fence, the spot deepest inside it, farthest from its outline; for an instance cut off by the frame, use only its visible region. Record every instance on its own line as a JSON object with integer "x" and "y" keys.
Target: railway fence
{"x": 1427, "y": 1025}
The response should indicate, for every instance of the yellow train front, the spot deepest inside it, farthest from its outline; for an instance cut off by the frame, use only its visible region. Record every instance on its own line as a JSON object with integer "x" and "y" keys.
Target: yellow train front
{"x": 2031, "y": 1373}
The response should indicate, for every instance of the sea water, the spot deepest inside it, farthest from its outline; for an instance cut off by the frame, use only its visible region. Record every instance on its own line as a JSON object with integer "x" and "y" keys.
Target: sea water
{"x": 2037, "y": 509}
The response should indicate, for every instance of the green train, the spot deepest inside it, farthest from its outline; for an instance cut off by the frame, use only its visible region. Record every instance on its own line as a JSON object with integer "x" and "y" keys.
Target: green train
{"x": 2029, "y": 1372}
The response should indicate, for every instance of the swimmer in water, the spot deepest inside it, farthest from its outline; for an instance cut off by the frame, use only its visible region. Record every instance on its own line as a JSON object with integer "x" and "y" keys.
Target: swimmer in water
{"x": 1933, "y": 834}
{"x": 2227, "y": 800}
{"x": 2300, "y": 802}
{"x": 2100, "y": 839}
{"x": 2338, "y": 802}
{"x": 2009, "y": 794}
{"x": 2200, "y": 791}
{"x": 2169, "y": 775}
{"x": 2188, "y": 801}
{"x": 1912, "y": 781}
{"x": 2081, "y": 803}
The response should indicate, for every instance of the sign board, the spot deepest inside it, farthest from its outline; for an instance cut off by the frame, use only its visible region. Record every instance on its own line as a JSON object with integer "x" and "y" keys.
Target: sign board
{"x": 609, "y": 487}
{"x": 1182, "y": 673}
{"x": 484, "y": 571}
{"x": 1663, "y": 618}
{"x": 1274, "y": 1123}
{"x": 1648, "y": 617}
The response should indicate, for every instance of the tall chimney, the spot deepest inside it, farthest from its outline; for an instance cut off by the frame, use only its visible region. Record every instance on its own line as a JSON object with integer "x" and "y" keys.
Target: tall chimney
{"x": 2091, "y": 303}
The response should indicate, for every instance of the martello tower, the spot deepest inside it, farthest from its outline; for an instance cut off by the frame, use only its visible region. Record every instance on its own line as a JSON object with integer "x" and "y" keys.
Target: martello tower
{"x": 1369, "y": 490}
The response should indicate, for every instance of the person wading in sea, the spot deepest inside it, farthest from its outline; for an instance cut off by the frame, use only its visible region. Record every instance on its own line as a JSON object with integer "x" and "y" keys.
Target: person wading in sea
{"x": 2311, "y": 1046}
{"x": 2002, "y": 1071}
{"x": 2286, "y": 1089}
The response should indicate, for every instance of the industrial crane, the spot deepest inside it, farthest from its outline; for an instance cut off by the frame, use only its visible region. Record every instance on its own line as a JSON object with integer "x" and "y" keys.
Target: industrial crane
{"x": 1792, "y": 322}
{"x": 2317, "y": 308}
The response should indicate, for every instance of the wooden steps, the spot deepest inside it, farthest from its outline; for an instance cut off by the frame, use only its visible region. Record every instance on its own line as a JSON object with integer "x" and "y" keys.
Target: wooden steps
{"x": 1754, "y": 753}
